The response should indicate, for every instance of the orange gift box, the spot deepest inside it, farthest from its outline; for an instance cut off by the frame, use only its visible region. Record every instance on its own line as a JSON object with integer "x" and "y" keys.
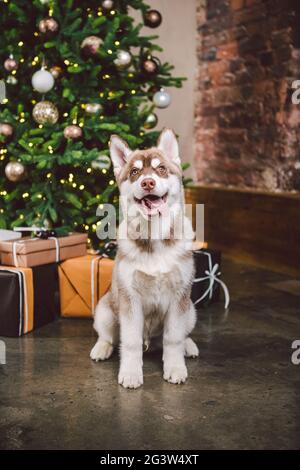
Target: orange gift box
{"x": 82, "y": 282}
{"x": 28, "y": 252}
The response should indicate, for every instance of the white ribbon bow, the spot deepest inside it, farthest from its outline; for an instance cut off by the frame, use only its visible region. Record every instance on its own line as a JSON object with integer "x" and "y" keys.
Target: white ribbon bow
{"x": 212, "y": 275}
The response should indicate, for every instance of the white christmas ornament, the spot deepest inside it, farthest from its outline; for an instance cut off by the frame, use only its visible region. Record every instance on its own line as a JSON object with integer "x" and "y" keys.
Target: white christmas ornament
{"x": 123, "y": 59}
{"x": 107, "y": 4}
{"x": 42, "y": 81}
{"x": 162, "y": 99}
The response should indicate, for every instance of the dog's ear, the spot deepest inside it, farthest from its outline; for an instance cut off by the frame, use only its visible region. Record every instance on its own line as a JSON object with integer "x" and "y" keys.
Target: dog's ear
{"x": 119, "y": 153}
{"x": 168, "y": 144}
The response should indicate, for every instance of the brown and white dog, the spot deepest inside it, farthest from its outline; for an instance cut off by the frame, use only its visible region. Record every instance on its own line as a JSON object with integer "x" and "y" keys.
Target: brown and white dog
{"x": 153, "y": 273}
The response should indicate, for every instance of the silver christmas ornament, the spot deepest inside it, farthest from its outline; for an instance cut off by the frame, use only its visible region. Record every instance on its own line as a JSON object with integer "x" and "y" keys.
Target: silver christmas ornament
{"x": 162, "y": 99}
{"x": 102, "y": 162}
{"x": 45, "y": 112}
{"x": 15, "y": 171}
{"x": 151, "y": 121}
{"x": 42, "y": 81}
{"x": 93, "y": 108}
{"x": 123, "y": 59}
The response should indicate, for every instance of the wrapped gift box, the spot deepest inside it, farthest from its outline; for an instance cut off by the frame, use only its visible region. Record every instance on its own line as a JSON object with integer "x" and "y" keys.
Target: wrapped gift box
{"x": 82, "y": 281}
{"x": 9, "y": 234}
{"x": 27, "y": 298}
{"x": 28, "y": 252}
{"x": 207, "y": 283}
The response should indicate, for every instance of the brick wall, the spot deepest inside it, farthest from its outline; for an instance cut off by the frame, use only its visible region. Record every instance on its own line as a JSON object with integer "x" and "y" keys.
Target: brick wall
{"x": 247, "y": 131}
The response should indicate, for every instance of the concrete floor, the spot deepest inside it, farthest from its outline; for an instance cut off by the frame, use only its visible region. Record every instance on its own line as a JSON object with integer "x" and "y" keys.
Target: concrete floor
{"x": 242, "y": 393}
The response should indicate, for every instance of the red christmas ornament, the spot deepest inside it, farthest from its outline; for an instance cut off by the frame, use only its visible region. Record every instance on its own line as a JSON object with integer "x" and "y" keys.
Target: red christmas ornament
{"x": 90, "y": 45}
{"x": 149, "y": 66}
{"x": 48, "y": 26}
{"x": 73, "y": 132}
{"x": 152, "y": 18}
{"x": 11, "y": 64}
{"x": 6, "y": 129}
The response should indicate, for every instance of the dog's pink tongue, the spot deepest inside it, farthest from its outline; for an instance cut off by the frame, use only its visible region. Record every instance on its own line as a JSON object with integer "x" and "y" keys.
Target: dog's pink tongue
{"x": 154, "y": 206}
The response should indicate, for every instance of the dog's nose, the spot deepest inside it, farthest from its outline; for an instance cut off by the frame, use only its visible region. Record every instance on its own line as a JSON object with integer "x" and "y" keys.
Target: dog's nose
{"x": 148, "y": 184}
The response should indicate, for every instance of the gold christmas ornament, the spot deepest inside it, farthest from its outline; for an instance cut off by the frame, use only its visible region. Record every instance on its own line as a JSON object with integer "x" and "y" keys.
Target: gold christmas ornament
{"x": 48, "y": 26}
{"x": 56, "y": 71}
{"x": 11, "y": 64}
{"x": 90, "y": 45}
{"x": 15, "y": 171}
{"x": 47, "y": 224}
{"x": 123, "y": 59}
{"x": 73, "y": 132}
{"x": 151, "y": 121}
{"x": 93, "y": 108}
{"x": 45, "y": 112}
{"x": 6, "y": 129}
{"x": 11, "y": 80}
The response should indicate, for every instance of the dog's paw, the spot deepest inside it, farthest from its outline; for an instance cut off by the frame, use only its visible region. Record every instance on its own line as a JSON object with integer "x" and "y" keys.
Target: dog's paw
{"x": 101, "y": 351}
{"x": 130, "y": 378}
{"x": 190, "y": 348}
{"x": 175, "y": 374}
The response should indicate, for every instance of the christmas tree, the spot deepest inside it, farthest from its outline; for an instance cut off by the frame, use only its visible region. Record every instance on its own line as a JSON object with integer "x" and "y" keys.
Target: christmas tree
{"x": 75, "y": 73}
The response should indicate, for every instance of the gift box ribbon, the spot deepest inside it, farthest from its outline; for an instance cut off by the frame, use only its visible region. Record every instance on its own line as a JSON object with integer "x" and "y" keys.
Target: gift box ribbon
{"x": 107, "y": 248}
{"x": 212, "y": 275}
{"x": 20, "y": 242}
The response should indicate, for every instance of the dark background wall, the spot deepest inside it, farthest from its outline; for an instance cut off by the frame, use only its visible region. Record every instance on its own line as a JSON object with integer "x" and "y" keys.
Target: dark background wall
{"x": 247, "y": 131}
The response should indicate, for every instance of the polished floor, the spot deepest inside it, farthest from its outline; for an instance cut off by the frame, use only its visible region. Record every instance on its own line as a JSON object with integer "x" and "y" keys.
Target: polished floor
{"x": 243, "y": 392}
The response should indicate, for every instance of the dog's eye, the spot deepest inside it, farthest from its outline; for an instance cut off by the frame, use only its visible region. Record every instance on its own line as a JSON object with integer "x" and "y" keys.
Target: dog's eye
{"x": 134, "y": 171}
{"x": 162, "y": 169}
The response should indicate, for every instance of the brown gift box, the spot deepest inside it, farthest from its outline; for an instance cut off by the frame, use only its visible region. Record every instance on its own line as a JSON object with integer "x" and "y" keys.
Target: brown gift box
{"x": 28, "y": 252}
{"x": 82, "y": 281}
{"x": 28, "y": 298}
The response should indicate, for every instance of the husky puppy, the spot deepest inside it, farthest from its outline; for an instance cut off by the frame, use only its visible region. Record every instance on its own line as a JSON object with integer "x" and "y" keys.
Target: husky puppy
{"x": 153, "y": 272}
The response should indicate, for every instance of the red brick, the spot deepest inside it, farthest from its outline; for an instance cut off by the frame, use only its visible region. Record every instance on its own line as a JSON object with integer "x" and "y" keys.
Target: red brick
{"x": 246, "y": 129}
{"x": 227, "y": 51}
{"x": 237, "y": 4}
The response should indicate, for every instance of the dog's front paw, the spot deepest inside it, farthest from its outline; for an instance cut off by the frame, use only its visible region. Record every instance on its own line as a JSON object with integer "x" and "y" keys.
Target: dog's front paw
{"x": 130, "y": 379}
{"x": 101, "y": 351}
{"x": 175, "y": 374}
